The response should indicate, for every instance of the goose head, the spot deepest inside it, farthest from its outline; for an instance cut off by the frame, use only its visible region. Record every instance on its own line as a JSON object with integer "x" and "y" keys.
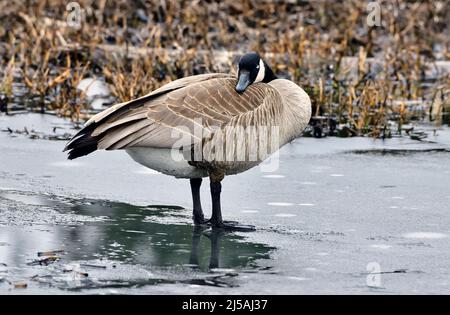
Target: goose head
{"x": 252, "y": 69}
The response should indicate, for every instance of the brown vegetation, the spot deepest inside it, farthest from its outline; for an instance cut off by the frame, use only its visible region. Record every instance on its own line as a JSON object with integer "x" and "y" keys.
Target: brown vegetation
{"x": 362, "y": 76}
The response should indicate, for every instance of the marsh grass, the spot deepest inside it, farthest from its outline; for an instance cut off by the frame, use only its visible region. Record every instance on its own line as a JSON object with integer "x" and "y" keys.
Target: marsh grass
{"x": 363, "y": 77}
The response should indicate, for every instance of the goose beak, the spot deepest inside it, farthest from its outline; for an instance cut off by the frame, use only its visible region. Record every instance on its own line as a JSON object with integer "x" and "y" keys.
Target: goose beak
{"x": 243, "y": 81}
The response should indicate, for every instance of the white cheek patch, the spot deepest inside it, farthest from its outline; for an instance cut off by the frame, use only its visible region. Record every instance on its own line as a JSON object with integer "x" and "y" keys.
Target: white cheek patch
{"x": 261, "y": 72}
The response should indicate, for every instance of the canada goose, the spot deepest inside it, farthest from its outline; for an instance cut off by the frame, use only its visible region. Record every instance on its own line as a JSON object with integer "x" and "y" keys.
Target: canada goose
{"x": 182, "y": 128}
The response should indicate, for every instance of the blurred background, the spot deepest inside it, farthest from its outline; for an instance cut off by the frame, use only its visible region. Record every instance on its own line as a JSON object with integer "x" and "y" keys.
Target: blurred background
{"x": 370, "y": 68}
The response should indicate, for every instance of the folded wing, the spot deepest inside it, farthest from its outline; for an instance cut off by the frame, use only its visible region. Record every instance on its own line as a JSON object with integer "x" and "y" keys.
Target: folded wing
{"x": 191, "y": 108}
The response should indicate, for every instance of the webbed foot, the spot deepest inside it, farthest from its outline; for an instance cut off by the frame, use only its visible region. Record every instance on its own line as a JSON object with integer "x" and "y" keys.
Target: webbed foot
{"x": 233, "y": 226}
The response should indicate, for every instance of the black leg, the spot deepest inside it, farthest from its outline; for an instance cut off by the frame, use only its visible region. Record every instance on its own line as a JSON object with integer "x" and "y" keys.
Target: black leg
{"x": 216, "y": 189}
{"x": 216, "y": 218}
{"x": 197, "y": 211}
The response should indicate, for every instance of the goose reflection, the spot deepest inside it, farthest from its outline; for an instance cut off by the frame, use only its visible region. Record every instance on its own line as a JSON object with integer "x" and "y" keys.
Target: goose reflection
{"x": 214, "y": 236}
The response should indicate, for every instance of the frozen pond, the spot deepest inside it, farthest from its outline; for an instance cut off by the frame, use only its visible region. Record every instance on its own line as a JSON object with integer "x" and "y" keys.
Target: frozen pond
{"x": 339, "y": 216}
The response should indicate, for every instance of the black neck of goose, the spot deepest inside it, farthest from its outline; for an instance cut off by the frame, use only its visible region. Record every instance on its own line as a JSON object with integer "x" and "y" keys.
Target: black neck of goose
{"x": 269, "y": 75}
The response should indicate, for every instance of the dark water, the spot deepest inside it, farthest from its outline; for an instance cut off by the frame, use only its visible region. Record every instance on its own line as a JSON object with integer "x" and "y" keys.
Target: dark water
{"x": 117, "y": 245}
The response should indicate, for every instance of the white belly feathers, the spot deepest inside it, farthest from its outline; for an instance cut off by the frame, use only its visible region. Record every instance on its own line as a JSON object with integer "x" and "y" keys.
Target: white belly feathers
{"x": 166, "y": 161}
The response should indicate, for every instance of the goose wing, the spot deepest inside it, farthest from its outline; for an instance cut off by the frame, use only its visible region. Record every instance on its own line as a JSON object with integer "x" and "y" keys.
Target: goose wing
{"x": 194, "y": 107}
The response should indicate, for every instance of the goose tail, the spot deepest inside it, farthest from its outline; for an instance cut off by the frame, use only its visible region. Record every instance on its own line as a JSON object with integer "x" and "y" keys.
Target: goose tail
{"x": 83, "y": 143}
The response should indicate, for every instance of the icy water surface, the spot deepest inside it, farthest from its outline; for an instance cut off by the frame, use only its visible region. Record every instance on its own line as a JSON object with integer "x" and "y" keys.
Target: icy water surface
{"x": 338, "y": 216}
{"x": 99, "y": 244}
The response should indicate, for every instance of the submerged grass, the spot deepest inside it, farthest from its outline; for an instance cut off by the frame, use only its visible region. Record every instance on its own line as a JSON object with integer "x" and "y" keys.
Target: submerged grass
{"x": 361, "y": 79}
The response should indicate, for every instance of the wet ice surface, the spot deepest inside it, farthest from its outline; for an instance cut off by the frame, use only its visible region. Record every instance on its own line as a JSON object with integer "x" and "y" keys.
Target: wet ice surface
{"x": 105, "y": 246}
{"x": 335, "y": 209}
